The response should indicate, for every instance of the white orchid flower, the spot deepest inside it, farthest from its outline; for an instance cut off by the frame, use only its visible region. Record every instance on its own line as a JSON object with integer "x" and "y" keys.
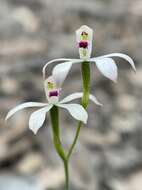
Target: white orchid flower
{"x": 52, "y": 86}
{"x": 106, "y": 64}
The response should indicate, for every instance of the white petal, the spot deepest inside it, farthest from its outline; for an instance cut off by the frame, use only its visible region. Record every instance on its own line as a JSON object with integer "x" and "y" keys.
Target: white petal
{"x": 37, "y": 118}
{"x": 77, "y": 111}
{"x": 107, "y": 67}
{"x": 121, "y": 55}
{"x": 22, "y": 106}
{"x": 79, "y": 95}
{"x": 52, "y": 61}
{"x": 60, "y": 72}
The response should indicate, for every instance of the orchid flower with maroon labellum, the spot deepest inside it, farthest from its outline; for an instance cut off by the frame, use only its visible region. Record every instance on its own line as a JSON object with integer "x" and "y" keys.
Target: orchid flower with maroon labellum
{"x": 53, "y": 90}
{"x": 52, "y": 86}
{"x": 105, "y": 64}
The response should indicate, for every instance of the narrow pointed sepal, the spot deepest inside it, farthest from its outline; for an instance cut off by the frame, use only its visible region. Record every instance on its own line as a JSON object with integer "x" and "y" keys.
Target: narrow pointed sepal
{"x": 80, "y": 95}
{"x": 22, "y": 106}
{"x": 94, "y": 99}
{"x": 51, "y": 62}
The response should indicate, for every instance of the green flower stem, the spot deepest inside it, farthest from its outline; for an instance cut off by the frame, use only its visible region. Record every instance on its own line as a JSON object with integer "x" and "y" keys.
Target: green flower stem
{"x": 85, "y": 68}
{"x": 66, "y": 168}
{"x": 54, "y": 113}
{"x": 75, "y": 140}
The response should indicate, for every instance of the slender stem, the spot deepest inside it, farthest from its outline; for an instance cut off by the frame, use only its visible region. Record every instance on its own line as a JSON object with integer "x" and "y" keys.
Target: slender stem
{"x": 75, "y": 140}
{"x": 85, "y": 68}
{"x": 54, "y": 113}
{"x": 66, "y": 174}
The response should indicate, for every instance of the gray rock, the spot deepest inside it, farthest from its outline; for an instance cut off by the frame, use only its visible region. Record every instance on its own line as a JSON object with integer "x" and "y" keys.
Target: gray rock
{"x": 15, "y": 182}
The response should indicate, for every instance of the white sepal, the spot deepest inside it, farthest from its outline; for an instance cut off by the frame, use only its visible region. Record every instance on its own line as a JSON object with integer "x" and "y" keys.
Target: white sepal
{"x": 80, "y": 95}
{"x": 60, "y": 72}
{"x": 121, "y": 55}
{"x": 37, "y": 118}
{"x": 22, "y": 106}
{"x": 50, "y": 62}
{"x": 107, "y": 67}
{"x": 94, "y": 99}
{"x": 76, "y": 111}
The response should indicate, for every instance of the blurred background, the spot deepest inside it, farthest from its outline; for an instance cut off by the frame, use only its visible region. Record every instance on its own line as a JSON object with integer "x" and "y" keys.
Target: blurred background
{"x": 108, "y": 155}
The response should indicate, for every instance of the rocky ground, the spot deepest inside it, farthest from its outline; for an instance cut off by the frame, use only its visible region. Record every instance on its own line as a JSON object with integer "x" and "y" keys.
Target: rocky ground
{"x": 108, "y": 155}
